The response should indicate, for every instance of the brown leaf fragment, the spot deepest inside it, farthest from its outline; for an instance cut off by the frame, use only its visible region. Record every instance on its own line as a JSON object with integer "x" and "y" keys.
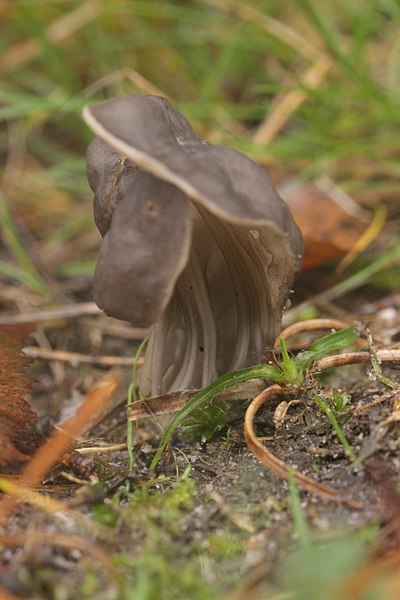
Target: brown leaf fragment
{"x": 329, "y": 231}
{"x": 17, "y": 436}
{"x": 159, "y": 405}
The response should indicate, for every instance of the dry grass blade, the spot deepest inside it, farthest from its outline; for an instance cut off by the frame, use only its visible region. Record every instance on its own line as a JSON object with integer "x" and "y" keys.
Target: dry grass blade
{"x": 77, "y": 357}
{"x": 227, "y": 511}
{"x": 50, "y": 506}
{"x": 144, "y": 85}
{"x": 57, "y": 32}
{"x": 62, "y": 439}
{"x": 286, "y": 105}
{"x": 107, "y": 449}
{"x": 45, "y": 503}
{"x": 271, "y": 26}
{"x": 369, "y": 235}
{"x": 158, "y": 405}
{"x": 278, "y": 466}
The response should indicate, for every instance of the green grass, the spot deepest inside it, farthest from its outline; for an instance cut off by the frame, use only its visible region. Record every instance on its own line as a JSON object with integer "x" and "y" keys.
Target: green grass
{"x": 289, "y": 372}
{"x": 325, "y": 408}
{"x": 223, "y": 65}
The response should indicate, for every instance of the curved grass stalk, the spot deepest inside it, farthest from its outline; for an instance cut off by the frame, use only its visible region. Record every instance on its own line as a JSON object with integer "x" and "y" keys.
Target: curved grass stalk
{"x": 222, "y": 383}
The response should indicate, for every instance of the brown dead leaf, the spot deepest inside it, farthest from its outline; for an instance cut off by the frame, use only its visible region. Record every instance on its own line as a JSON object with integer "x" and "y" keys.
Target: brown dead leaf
{"x": 16, "y": 416}
{"x": 329, "y": 231}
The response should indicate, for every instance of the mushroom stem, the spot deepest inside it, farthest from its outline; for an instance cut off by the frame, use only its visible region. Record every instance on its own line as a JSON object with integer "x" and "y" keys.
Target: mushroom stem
{"x": 221, "y": 301}
{"x": 200, "y": 295}
{"x": 236, "y": 297}
{"x": 246, "y": 262}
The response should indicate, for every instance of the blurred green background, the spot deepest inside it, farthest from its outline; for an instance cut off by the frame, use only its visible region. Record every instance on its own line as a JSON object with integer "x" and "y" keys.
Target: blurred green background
{"x": 308, "y": 88}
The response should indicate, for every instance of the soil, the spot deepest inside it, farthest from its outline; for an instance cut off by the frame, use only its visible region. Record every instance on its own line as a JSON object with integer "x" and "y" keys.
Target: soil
{"x": 235, "y": 499}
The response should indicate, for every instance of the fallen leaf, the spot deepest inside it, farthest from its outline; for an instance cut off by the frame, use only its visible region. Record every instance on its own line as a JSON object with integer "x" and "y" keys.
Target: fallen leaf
{"x": 17, "y": 437}
{"x": 329, "y": 231}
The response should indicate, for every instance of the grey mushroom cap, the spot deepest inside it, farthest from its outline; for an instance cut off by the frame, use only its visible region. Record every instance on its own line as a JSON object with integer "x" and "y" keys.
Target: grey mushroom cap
{"x": 154, "y": 136}
{"x": 196, "y": 242}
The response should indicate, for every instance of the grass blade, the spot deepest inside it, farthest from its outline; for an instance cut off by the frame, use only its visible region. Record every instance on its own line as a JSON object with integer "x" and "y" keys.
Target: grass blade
{"x": 222, "y": 383}
{"x": 337, "y": 340}
{"x": 133, "y": 397}
{"x": 27, "y": 272}
{"x": 328, "y": 411}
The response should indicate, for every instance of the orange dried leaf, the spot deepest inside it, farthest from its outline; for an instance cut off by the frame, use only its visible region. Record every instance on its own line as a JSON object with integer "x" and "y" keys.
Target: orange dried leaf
{"x": 16, "y": 416}
{"x": 329, "y": 231}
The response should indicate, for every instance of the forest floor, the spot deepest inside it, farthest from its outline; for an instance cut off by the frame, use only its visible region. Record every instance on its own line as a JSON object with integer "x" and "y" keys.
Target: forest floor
{"x": 310, "y": 93}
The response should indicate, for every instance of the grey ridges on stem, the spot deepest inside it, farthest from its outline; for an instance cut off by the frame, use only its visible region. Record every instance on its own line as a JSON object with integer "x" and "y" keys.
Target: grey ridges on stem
{"x": 197, "y": 243}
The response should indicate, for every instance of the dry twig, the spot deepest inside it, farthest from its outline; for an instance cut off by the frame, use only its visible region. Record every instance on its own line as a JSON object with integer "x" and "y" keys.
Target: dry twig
{"x": 309, "y": 325}
{"x": 77, "y": 357}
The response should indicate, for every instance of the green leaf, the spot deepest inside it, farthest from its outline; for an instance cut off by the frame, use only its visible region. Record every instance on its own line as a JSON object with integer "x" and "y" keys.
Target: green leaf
{"x": 334, "y": 341}
{"x": 106, "y": 515}
{"x": 289, "y": 367}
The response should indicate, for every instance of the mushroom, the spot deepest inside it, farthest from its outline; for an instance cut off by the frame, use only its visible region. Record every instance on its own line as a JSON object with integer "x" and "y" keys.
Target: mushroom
{"x": 197, "y": 243}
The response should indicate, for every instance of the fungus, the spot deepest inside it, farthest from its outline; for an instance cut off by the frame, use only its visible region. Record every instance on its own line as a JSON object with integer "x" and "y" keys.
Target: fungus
{"x": 196, "y": 243}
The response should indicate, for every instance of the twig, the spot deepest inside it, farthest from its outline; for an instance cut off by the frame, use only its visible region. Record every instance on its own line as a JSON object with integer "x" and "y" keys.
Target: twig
{"x": 363, "y": 407}
{"x": 309, "y": 325}
{"x": 349, "y": 358}
{"x": 66, "y": 311}
{"x": 77, "y": 357}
